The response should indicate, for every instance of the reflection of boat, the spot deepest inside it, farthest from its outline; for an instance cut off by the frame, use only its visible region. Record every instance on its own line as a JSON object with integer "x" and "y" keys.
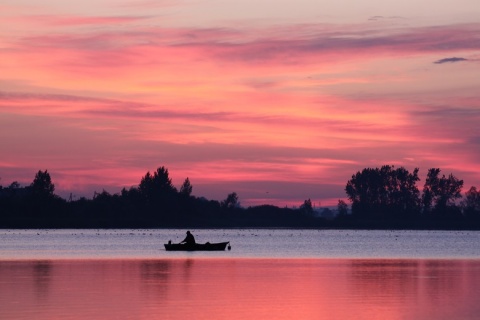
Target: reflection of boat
{"x": 219, "y": 246}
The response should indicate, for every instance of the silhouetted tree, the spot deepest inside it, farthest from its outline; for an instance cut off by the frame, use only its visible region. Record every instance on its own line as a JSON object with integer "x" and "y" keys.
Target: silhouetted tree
{"x": 160, "y": 197}
{"x": 307, "y": 207}
{"x": 381, "y": 191}
{"x": 42, "y": 184}
{"x": 342, "y": 208}
{"x": 104, "y": 203}
{"x": 158, "y": 182}
{"x": 14, "y": 185}
{"x": 431, "y": 183}
{"x": 157, "y": 187}
{"x": 186, "y": 188}
{"x": 471, "y": 203}
{"x": 146, "y": 184}
{"x": 403, "y": 192}
{"x": 440, "y": 193}
{"x": 231, "y": 201}
{"x": 101, "y": 196}
{"x": 41, "y": 200}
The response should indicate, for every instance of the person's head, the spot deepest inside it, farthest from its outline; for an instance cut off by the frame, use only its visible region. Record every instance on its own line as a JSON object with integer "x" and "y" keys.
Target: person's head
{"x": 188, "y": 232}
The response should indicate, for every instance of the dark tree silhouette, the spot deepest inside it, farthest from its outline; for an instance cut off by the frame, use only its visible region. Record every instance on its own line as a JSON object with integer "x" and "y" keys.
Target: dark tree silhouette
{"x": 158, "y": 182}
{"x": 14, "y": 185}
{"x": 38, "y": 200}
{"x": 42, "y": 184}
{"x": 307, "y": 207}
{"x": 342, "y": 208}
{"x": 160, "y": 197}
{"x": 156, "y": 186}
{"x": 186, "y": 188}
{"x": 387, "y": 197}
{"x": 440, "y": 193}
{"x": 471, "y": 203}
{"x": 404, "y": 196}
{"x": 381, "y": 191}
{"x": 231, "y": 201}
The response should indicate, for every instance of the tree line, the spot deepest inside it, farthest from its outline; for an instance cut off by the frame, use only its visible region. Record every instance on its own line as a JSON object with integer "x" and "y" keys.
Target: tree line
{"x": 155, "y": 202}
{"x": 392, "y": 193}
{"x": 385, "y": 197}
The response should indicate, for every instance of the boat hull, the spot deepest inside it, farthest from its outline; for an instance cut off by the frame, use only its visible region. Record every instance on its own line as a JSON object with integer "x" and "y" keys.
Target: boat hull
{"x": 220, "y": 246}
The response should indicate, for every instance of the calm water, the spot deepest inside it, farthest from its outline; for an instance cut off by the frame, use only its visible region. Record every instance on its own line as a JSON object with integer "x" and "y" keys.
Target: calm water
{"x": 274, "y": 274}
{"x": 246, "y": 243}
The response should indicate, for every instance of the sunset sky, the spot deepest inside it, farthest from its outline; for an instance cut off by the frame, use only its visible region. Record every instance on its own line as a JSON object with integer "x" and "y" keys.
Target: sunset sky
{"x": 279, "y": 101}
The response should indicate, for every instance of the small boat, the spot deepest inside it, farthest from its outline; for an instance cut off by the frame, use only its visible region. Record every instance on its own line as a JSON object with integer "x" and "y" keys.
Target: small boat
{"x": 219, "y": 246}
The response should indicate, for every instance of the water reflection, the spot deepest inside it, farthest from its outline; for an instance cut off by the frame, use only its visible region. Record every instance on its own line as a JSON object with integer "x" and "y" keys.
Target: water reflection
{"x": 418, "y": 289}
{"x": 41, "y": 276}
{"x": 240, "y": 289}
{"x": 155, "y": 270}
{"x": 154, "y": 276}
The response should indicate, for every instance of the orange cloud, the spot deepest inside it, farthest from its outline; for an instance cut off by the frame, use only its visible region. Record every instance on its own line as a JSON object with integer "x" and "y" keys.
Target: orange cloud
{"x": 304, "y": 104}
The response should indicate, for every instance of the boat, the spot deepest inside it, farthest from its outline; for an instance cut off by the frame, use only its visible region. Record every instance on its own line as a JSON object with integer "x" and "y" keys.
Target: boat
{"x": 219, "y": 246}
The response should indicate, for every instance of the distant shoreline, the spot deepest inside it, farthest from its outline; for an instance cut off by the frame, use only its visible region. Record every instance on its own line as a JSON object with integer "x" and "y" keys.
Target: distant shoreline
{"x": 330, "y": 225}
{"x": 385, "y": 198}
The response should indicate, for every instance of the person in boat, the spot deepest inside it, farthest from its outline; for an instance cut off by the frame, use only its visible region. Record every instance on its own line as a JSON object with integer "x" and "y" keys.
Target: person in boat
{"x": 189, "y": 239}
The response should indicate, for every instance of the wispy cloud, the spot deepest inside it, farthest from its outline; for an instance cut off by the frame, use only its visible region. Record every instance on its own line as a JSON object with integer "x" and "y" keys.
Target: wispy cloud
{"x": 293, "y": 43}
{"x": 73, "y": 20}
{"x": 308, "y": 103}
{"x": 450, "y": 60}
{"x": 88, "y": 107}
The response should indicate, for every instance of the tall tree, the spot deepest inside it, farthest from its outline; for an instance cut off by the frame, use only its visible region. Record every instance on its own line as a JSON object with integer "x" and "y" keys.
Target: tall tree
{"x": 42, "y": 184}
{"x": 156, "y": 184}
{"x": 439, "y": 193}
{"x": 186, "y": 188}
{"x": 471, "y": 204}
{"x": 307, "y": 207}
{"x": 159, "y": 194}
{"x": 231, "y": 201}
{"x": 403, "y": 193}
{"x": 342, "y": 208}
{"x": 383, "y": 191}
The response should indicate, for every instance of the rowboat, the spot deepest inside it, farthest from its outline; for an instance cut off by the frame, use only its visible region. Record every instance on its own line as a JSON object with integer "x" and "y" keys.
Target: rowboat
{"x": 219, "y": 246}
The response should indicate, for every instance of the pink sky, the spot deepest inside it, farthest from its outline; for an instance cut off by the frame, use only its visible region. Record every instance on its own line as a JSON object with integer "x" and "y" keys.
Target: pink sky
{"x": 279, "y": 101}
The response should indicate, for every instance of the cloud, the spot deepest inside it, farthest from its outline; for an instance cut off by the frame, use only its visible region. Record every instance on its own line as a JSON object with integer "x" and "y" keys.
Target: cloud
{"x": 302, "y": 44}
{"x": 77, "y": 20}
{"x": 101, "y": 107}
{"x": 451, "y": 60}
{"x": 269, "y": 45}
{"x": 201, "y": 117}
{"x": 243, "y": 104}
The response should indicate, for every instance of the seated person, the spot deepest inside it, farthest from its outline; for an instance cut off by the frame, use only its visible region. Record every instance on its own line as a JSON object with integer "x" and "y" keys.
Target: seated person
{"x": 189, "y": 239}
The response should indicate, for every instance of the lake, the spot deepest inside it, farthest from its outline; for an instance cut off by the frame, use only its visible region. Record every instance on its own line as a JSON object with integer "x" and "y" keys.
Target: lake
{"x": 275, "y": 274}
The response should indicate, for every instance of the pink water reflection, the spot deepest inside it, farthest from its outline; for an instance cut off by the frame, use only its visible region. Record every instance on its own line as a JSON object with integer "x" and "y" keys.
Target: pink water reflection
{"x": 240, "y": 289}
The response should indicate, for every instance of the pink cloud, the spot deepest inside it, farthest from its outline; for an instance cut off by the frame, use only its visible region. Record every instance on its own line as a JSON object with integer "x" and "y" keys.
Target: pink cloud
{"x": 245, "y": 44}
{"x": 250, "y": 110}
{"x": 311, "y": 123}
{"x": 72, "y": 20}
{"x": 127, "y": 55}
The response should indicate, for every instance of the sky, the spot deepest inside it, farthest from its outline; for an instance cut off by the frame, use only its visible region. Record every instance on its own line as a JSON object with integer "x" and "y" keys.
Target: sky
{"x": 278, "y": 101}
